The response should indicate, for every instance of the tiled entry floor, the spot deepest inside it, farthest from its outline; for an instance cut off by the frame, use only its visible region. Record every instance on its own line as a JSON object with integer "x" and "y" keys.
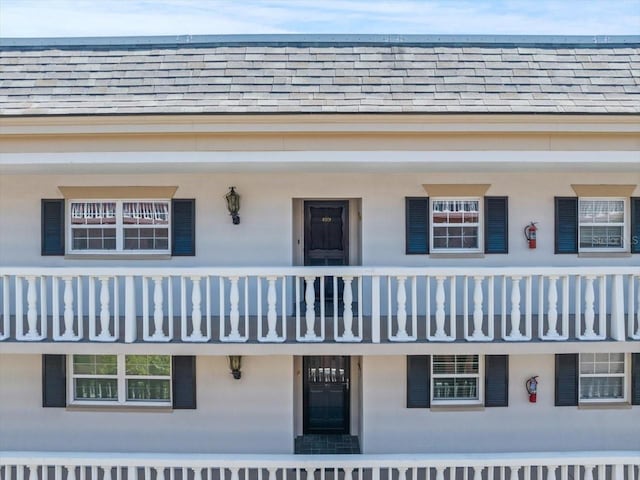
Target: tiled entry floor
{"x": 328, "y": 444}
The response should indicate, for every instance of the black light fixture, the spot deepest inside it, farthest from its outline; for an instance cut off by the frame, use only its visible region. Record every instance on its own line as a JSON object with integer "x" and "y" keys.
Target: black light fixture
{"x": 235, "y": 363}
{"x": 233, "y": 204}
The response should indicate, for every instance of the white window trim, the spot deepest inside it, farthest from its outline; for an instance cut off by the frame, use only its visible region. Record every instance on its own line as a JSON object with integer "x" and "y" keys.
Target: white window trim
{"x": 432, "y": 225}
{"x": 479, "y": 376}
{"x": 625, "y": 383}
{"x": 119, "y": 226}
{"x": 625, "y": 226}
{"x": 122, "y": 385}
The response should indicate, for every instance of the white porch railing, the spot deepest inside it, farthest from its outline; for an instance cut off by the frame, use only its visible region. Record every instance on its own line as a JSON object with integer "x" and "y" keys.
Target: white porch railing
{"x": 505, "y": 466}
{"x": 309, "y": 304}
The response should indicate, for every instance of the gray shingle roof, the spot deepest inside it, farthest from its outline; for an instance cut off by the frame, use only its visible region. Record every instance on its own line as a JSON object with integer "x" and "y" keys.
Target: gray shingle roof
{"x": 319, "y": 77}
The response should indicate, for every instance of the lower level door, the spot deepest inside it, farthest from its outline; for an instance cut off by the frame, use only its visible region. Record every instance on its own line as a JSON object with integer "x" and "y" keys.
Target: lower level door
{"x": 326, "y": 394}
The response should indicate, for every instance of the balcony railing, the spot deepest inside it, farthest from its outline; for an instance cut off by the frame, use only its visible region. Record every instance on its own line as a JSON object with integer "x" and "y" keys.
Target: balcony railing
{"x": 329, "y": 304}
{"x": 506, "y": 466}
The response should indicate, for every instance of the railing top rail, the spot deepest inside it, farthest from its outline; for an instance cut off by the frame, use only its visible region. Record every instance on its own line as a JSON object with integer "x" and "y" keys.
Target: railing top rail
{"x": 320, "y": 461}
{"x": 301, "y": 271}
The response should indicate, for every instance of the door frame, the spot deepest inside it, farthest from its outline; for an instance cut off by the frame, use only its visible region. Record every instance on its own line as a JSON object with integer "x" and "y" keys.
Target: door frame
{"x": 346, "y": 430}
{"x": 307, "y": 226}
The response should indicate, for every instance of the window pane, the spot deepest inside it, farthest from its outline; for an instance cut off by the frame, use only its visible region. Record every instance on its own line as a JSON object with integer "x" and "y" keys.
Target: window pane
{"x": 98, "y": 389}
{"x": 592, "y": 388}
{"x": 146, "y": 238}
{"x": 94, "y": 238}
{"x": 455, "y": 224}
{"x": 455, "y": 389}
{"x": 148, "y": 365}
{"x": 148, "y": 390}
{"x": 93, "y": 213}
{"x": 145, "y": 213}
{"x": 601, "y": 237}
{"x": 95, "y": 365}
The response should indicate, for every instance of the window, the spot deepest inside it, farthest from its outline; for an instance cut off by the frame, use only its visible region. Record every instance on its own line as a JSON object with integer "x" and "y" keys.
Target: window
{"x": 120, "y": 379}
{"x": 456, "y": 379}
{"x": 603, "y": 377}
{"x": 455, "y": 224}
{"x": 119, "y": 226}
{"x": 601, "y": 224}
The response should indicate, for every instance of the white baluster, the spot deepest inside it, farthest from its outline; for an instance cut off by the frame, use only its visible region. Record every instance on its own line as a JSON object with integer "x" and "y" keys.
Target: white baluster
{"x": 401, "y": 313}
{"x": 32, "y": 310}
{"x": 104, "y": 309}
{"x": 515, "y": 309}
{"x": 588, "y": 472}
{"x": 197, "y": 474}
{"x": 552, "y": 315}
{"x": 310, "y": 314}
{"x": 107, "y": 473}
{"x": 347, "y": 315}
{"x": 158, "y": 311}
{"x": 439, "y": 473}
{"x": 514, "y": 473}
{"x": 402, "y": 473}
{"x": 477, "y": 309}
{"x": 161, "y": 473}
{"x": 68, "y": 309}
{"x": 440, "y": 313}
{"x": 272, "y": 316}
{"x": 71, "y": 472}
{"x": 234, "y": 312}
{"x": 589, "y": 310}
{"x": 477, "y": 473}
{"x": 551, "y": 472}
{"x": 196, "y": 313}
{"x": 234, "y": 474}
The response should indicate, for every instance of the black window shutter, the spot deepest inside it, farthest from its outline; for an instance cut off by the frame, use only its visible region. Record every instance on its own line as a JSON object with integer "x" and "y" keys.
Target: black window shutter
{"x": 416, "y": 225}
{"x": 496, "y": 226}
{"x": 566, "y": 379}
{"x": 566, "y": 225}
{"x": 184, "y": 382}
{"x": 496, "y": 381}
{"x": 54, "y": 380}
{"x": 635, "y": 225}
{"x": 52, "y": 227}
{"x": 635, "y": 379}
{"x": 183, "y": 221}
{"x": 418, "y": 381}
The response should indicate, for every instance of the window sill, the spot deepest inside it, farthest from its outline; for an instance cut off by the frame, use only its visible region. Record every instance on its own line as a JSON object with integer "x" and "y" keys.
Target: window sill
{"x": 604, "y": 254}
{"x": 604, "y": 406}
{"x": 458, "y": 408}
{"x": 117, "y": 256}
{"x": 457, "y": 255}
{"x": 120, "y": 408}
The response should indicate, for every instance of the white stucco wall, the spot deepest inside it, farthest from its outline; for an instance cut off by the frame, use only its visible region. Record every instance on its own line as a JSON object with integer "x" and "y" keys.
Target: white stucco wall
{"x": 390, "y": 427}
{"x": 266, "y": 214}
{"x": 252, "y": 415}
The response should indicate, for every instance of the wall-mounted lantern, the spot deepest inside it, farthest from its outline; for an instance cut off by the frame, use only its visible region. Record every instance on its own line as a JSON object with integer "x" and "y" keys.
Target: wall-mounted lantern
{"x": 235, "y": 364}
{"x": 233, "y": 204}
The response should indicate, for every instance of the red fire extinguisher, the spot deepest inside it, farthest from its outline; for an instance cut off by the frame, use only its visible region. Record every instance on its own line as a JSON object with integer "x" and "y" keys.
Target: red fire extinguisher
{"x": 530, "y": 233}
{"x": 532, "y": 389}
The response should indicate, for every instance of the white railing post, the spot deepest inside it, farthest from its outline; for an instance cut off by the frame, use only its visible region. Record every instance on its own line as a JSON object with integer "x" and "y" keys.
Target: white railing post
{"x": 69, "y": 333}
{"x": 130, "y": 322}
{"x": 617, "y": 309}
{"x": 515, "y": 333}
{"x": 478, "y": 334}
{"x": 401, "y": 314}
{"x": 310, "y": 312}
{"x": 375, "y": 309}
{"x": 347, "y": 314}
{"x": 105, "y": 315}
{"x": 6, "y": 307}
{"x": 272, "y": 314}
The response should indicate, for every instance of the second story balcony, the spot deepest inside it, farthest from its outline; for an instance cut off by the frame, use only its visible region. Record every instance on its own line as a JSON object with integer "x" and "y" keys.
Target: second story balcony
{"x": 326, "y": 306}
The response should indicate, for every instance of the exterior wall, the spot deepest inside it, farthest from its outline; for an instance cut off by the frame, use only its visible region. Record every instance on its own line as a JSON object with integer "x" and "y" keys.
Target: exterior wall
{"x": 267, "y": 213}
{"x": 252, "y": 415}
{"x": 390, "y": 427}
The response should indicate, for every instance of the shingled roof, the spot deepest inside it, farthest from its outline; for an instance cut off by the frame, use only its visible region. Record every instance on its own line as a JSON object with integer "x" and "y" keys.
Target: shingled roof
{"x": 347, "y": 74}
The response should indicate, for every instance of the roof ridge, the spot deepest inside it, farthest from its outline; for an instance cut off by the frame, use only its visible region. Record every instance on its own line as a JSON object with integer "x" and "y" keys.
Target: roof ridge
{"x": 590, "y": 41}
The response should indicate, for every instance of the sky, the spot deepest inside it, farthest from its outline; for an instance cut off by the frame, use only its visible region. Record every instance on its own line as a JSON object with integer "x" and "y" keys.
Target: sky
{"x": 73, "y": 18}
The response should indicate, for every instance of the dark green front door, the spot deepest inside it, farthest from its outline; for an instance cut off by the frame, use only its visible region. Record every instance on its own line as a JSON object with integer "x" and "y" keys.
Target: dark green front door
{"x": 326, "y": 394}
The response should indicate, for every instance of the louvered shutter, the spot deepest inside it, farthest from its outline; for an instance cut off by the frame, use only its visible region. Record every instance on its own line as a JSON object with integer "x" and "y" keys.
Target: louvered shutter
{"x": 566, "y": 225}
{"x": 635, "y": 225}
{"x": 54, "y": 380}
{"x": 496, "y": 231}
{"x": 566, "y": 379}
{"x": 635, "y": 378}
{"x": 418, "y": 381}
{"x": 496, "y": 381}
{"x": 416, "y": 225}
{"x": 183, "y": 227}
{"x": 184, "y": 382}
{"x": 52, "y": 227}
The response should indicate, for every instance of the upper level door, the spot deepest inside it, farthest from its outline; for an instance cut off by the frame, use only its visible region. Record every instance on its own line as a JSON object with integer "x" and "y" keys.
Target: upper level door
{"x": 326, "y": 240}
